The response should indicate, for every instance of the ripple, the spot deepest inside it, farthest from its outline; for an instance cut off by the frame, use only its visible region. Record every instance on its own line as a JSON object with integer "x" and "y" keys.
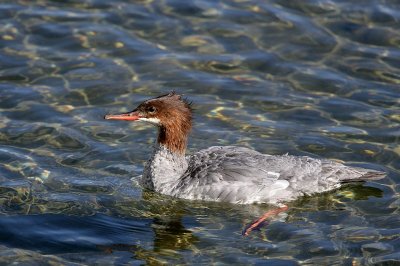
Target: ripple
{"x": 316, "y": 78}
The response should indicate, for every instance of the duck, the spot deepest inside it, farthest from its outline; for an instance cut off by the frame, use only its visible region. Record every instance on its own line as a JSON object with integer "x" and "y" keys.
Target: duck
{"x": 232, "y": 174}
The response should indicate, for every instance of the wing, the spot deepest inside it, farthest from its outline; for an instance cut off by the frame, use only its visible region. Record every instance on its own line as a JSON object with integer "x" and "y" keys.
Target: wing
{"x": 232, "y": 164}
{"x": 232, "y": 174}
{"x": 240, "y": 175}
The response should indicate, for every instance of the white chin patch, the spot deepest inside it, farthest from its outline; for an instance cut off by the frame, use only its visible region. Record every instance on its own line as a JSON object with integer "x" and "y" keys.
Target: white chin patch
{"x": 153, "y": 121}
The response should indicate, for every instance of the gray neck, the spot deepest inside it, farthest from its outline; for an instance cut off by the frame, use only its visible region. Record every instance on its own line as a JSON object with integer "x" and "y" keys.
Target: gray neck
{"x": 163, "y": 170}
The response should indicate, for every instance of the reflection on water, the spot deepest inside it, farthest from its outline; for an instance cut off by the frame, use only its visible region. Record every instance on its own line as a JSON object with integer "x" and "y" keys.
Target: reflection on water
{"x": 311, "y": 78}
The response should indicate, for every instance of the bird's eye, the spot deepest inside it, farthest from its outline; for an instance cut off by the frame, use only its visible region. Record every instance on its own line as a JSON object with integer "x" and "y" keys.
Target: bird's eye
{"x": 151, "y": 109}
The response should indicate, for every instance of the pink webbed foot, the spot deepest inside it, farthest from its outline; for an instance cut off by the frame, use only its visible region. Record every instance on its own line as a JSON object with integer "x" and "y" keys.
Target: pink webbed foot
{"x": 260, "y": 221}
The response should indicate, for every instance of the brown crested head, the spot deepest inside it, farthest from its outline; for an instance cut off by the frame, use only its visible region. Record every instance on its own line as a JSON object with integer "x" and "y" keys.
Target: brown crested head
{"x": 171, "y": 113}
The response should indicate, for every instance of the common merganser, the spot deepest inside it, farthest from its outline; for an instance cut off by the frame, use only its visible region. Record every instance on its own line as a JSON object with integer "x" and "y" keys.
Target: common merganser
{"x": 229, "y": 173}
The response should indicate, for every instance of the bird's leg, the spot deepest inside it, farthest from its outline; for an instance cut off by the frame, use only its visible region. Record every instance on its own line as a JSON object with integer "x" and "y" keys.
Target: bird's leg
{"x": 257, "y": 222}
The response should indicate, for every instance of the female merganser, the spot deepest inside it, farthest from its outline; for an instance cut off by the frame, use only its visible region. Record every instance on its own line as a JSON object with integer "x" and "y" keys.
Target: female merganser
{"x": 229, "y": 173}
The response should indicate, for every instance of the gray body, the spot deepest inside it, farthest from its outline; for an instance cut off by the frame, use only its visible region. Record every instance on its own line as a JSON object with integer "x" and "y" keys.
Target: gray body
{"x": 241, "y": 175}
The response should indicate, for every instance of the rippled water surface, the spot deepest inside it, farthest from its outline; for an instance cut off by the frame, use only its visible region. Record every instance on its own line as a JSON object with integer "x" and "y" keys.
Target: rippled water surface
{"x": 317, "y": 78}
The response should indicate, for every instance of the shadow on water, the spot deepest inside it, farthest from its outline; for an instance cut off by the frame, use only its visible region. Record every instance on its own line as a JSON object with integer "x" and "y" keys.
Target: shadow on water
{"x": 170, "y": 236}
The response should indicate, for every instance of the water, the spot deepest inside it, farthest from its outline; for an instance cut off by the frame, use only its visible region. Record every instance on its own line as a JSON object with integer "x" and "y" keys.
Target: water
{"x": 318, "y": 78}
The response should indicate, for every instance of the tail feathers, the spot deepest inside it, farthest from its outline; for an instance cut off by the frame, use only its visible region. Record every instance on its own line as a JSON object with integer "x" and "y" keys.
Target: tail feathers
{"x": 373, "y": 175}
{"x": 364, "y": 175}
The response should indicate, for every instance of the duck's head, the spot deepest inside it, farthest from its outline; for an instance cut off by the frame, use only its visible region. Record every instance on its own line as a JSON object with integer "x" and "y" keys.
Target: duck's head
{"x": 170, "y": 113}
